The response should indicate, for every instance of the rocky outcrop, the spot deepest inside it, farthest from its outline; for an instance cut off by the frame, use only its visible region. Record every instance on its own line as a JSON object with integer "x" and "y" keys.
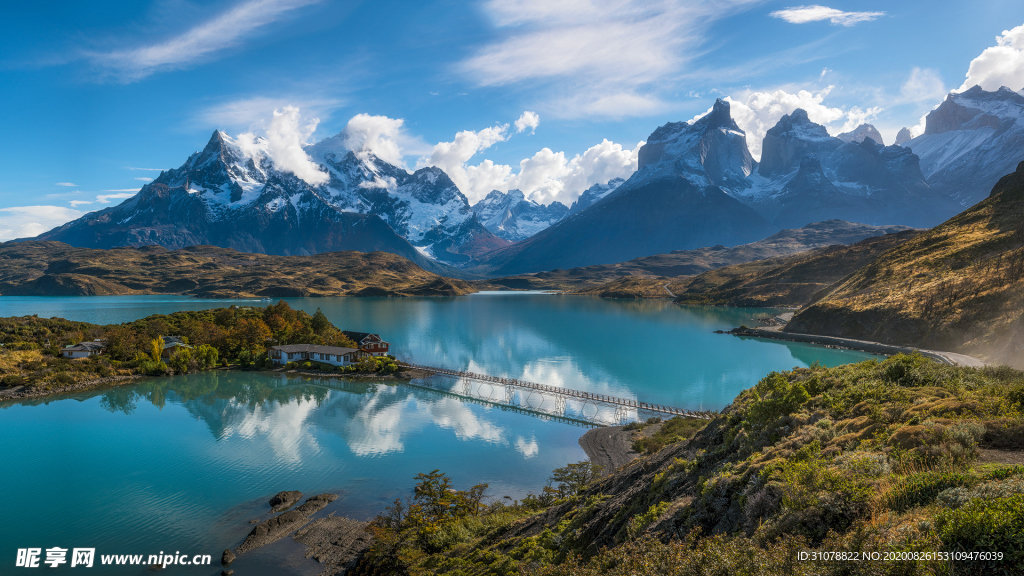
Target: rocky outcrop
{"x": 335, "y": 542}
{"x": 284, "y": 500}
{"x": 285, "y": 523}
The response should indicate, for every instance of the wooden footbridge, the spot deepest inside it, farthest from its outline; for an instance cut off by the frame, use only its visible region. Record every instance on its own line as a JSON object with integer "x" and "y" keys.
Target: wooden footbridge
{"x": 622, "y": 406}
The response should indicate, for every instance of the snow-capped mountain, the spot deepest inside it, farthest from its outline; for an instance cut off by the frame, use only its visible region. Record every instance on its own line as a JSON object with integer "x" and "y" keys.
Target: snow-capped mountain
{"x": 806, "y": 176}
{"x": 510, "y": 215}
{"x": 674, "y": 201}
{"x": 858, "y": 134}
{"x": 230, "y": 194}
{"x": 697, "y": 185}
{"x": 970, "y": 141}
{"x": 595, "y": 193}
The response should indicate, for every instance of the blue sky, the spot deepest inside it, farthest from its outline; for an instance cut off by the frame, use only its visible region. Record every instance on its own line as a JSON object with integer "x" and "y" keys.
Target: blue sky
{"x": 96, "y": 94}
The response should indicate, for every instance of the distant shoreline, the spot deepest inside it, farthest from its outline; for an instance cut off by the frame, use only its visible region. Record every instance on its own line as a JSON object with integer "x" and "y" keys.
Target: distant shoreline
{"x": 775, "y": 333}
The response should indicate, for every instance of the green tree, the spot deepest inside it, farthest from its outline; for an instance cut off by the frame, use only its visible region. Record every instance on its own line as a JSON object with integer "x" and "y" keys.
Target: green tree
{"x": 181, "y": 360}
{"x": 320, "y": 323}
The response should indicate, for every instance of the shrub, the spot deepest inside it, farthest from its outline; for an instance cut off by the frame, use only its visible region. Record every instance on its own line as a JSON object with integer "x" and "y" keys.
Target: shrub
{"x": 306, "y": 365}
{"x": 773, "y": 397}
{"x": 995, "y": 525}
{"x": 1002, "y": 488}
{"x": 923, "y": 488}
{"x": 641, "y": 521}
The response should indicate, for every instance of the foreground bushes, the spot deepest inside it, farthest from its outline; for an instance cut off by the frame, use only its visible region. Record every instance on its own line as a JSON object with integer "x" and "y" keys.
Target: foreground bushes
{"x": 876, "y": 457}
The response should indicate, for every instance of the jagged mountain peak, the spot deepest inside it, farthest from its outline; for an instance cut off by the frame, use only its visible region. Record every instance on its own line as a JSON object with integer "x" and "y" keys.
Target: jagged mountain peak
{"x": 793, "y": 137}
{"x": 903, "y": 136}
{"x": 861, "y": 132}
{"x": 709, "y": 151}
{"x": 719, "y": 117}
{"x": 512, "y": 216}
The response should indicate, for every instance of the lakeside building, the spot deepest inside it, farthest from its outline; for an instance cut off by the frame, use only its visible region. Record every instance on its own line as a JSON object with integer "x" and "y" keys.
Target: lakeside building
{"x": 83, "y": 349}
{"x": 369, "y": 343}
{"x": 171, "y": 345}
{"x": 333, "y": 355}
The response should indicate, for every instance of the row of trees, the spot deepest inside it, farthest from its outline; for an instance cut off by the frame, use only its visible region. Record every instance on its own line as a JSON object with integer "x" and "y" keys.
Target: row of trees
{"x": 239, "y": 334}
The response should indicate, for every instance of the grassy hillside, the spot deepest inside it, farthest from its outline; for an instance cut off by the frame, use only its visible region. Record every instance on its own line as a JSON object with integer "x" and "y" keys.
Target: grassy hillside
{"x": 678, "y": 263}
{"x": 57, "y": 269}
{"x": 787, "y": 281}
{"x": 956, "y": 287}
{"x": 902, "y": 457}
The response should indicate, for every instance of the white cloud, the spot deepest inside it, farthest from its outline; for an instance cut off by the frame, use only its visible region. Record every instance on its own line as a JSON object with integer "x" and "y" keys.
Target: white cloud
{"x": 29, "y": 221}
{"x": 596, "y": 57}
{"x": 143, "y": 179}
{"x": 147, "y": 169}
{"x": 756, "y": 112}
{"x": 198, "y": 43}
{"x": 77, "y": 203}
{"x": 856, "y": 116}
{"x": 528, "y": 120}
{"x": 285, "y": 139}
{"x": 123, "y": 190}
{"x": 923, "y": 84}
{"x": 452, "y": 156}
{"x": 548, "y": 176}
{"x": 384, "y": 137}
{"x": 999, "y": 65}
{"x": 815, "y": 13}
{"x": 106, "y": 198}
{"x": 65, "y": 184}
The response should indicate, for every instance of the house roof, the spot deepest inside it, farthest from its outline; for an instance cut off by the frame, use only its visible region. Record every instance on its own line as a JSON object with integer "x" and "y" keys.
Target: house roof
{"x": 314, "y": 348}
{"x": 86, "y": 347}
{"x": 360, "y": 337}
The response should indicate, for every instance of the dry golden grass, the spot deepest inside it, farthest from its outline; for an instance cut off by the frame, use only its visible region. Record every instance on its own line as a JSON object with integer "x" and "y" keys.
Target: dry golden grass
{"x": 958, "y": 287}
{"x": 55, "y": 268}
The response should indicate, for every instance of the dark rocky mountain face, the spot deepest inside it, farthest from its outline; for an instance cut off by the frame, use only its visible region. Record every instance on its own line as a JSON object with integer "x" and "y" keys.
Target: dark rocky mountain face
{"x": 970, "y": 141}
{"x": 794, "y": 137}
{"x": 855, "y": 181}
{"x": 225, "y": 196}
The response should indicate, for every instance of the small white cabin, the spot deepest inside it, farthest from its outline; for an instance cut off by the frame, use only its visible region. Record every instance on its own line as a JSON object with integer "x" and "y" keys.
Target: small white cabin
{"x": 333, "y": 355}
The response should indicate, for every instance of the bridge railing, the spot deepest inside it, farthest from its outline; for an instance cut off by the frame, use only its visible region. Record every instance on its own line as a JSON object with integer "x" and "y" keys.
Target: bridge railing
{"x": 629, "y": 402}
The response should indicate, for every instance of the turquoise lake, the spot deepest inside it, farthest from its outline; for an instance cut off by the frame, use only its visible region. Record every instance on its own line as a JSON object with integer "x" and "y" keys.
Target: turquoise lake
{"x": 183, "y": 463}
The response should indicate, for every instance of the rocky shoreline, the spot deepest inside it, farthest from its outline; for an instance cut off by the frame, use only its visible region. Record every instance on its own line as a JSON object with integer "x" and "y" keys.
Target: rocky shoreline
{"x": 29, "y": 393}
{"x": 335, "y": 542}
{"x": 776, "y": 333}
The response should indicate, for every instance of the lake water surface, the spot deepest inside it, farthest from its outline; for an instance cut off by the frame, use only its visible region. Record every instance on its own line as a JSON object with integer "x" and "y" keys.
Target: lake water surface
{"x": 182, "y": 463}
